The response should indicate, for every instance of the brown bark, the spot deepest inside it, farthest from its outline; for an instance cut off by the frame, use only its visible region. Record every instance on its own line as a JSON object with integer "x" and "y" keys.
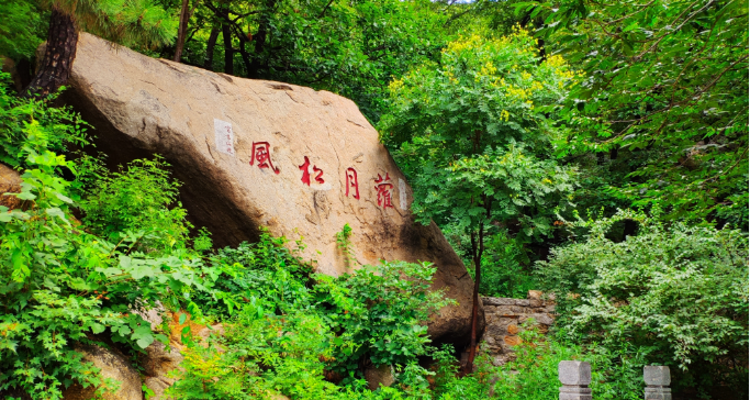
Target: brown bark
{"x": 260, "y": 38}
{"x": 228, "y": 49}
{"x": 182, "y": 30}
{"x": 208, "y": 64}
{"x": 477, "y": 251}
{"x": 62, "y": 40}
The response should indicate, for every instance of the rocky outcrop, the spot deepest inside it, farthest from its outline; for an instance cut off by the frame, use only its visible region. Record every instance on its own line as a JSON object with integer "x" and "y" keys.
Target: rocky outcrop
{"x": 113, "y": 365}
{"x": 10, "y": 182}
{"x": 158, "y": 361}
{"x": 505, "y": 318}
{"x": 379, "y": 376}
{"x": 255, "y": 153}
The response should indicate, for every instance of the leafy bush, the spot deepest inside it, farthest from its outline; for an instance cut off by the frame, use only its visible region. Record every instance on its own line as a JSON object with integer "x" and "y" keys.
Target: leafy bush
{"x": 377, "y": 313}
{"x": 137, "y": 198}
{"x": 678, "y": 294}
{"x": 533, "y": 374}
{"x": 265, "y": 274}
{"x": 503, "y": 273}
{"x": 266, "y": 354}
{"x": 449, "y": 385}
{"x": 60, "y": 284}
{"x": 289, "y": 330}
{"x": 616, "y": 374}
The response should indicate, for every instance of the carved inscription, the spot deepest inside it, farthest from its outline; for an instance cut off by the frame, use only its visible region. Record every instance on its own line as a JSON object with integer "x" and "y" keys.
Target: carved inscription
{"x": 402, "y": 193}
{"x": 262, "y": 155}
{"x": 262, "y": 158}
{"x": 385, "y": 191}
{"x": 306, "y": 173}
{"x": 224, "y": 137}
{"x": 351, "y": 183}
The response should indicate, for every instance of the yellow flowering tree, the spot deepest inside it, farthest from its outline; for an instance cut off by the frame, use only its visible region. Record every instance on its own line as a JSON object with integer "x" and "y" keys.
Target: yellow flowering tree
{"x": 474, "y": 134}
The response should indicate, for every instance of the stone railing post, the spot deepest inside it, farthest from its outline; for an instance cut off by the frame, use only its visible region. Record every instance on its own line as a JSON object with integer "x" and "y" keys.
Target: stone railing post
{"x": 575, "y": 377}
{"x": 657, "y": 383}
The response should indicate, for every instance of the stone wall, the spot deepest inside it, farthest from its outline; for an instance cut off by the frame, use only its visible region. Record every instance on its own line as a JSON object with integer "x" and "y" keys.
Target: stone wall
{"x": 506, "y": 316}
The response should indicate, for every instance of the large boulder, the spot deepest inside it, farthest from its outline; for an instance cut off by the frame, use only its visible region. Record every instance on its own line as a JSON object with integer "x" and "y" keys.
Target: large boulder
{"x": 255, "y": 153}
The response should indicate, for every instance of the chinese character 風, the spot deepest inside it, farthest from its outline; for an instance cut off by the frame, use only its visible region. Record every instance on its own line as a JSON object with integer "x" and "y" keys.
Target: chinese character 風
{"x": 262, "y": 154}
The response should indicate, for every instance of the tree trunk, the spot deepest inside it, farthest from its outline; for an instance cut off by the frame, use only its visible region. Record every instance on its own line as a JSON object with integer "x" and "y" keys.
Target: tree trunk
{"x": 209, "y": 62}
{"x": 228, "y": 50}
{"x": 182, "y": 30}
{"x": 62, "y": 41}
{"x": 477, "y": 251}
{"x": 259, "y": 39}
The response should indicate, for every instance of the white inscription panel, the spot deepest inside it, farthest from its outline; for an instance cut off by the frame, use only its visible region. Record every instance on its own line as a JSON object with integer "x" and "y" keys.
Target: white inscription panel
{"x": 224, "y": 137}
{"x": 402, "y": 193}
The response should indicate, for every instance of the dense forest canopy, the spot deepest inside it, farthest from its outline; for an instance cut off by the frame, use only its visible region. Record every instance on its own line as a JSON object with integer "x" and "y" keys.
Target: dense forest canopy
{"x": 594, "y": 150}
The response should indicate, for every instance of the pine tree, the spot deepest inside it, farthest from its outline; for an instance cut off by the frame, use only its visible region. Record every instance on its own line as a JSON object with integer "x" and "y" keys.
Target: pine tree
{"x": 127, "y": 22}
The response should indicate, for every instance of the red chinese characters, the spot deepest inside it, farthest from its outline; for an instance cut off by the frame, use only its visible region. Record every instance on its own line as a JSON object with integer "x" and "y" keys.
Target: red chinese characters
{"x": 385, "y": 191}
{"x": 351, "y": 182}
{"x": 262, "y": 155}
{"x": 306, "y": 173}
{"x": 228, "y": 143}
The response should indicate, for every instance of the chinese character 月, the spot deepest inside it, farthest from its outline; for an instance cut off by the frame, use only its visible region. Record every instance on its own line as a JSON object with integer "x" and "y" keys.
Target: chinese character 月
{"x": 351, "y": 182}
{"x": 262, "y": 154}
{"x": 306, "y": 173}
{"x": 384, "y": 191}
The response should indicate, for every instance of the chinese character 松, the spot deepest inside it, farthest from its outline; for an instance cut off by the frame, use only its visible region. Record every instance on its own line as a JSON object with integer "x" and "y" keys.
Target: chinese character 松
{"x": 306, "y": 173}
{"x": 262, "y": 154}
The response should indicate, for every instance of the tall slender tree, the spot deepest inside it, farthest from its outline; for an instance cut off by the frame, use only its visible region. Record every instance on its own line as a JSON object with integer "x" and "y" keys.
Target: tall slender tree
{"x": 474, "y": 136}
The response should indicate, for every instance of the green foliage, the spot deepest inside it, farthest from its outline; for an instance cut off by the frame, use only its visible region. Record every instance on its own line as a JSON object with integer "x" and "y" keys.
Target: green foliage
{"x": 293, "y": 328}
{"x": 140, "y": 197}
{"x": 127, "y": 22}
{"x": 28, "y": 127}
{"x": 533, "y": 373}
{"x": 59, "y": 284}
{"x": 676, "y": 293}
{"x": 616, "y": 374}
{"x": 503, "y": 275}
{"x": 473, "y": 136}
{"x": 377, "y": 312}
{"x": 344, "y": 243}
{"x": 449, "y": 385}
{"x": 349, "y": 48}
{"x": 264, "y": 275}
{"x": 667, "y": 89}
{"x": 266, "y": 354}
{"x": 21, "y": 29}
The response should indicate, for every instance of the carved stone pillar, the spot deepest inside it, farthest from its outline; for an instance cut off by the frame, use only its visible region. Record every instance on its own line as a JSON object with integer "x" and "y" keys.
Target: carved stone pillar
{"x": 657, "y": 383}
{"x": 575, "y": 377}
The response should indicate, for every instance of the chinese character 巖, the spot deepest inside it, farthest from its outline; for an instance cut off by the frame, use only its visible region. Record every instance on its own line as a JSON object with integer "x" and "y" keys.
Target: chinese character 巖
{"x": 384, "y": 191}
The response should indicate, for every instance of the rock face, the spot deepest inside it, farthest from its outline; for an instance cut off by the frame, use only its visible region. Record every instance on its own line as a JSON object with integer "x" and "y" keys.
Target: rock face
{"x": 255, "y": 153}
{"x": 157, "y": 363}
{"x": 504, "y": 320}
{"x": 10, "y": 182}
{"x": 381, "y": 376}
{"x": 113, "y": 365}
